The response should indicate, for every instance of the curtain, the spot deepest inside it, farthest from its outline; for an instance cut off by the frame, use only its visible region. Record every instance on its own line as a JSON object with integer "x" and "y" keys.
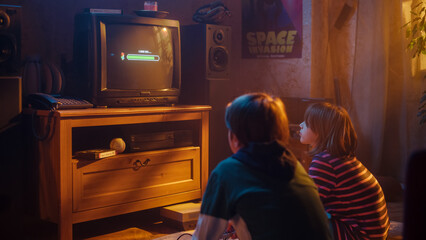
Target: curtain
{"x": 359, "y": 59}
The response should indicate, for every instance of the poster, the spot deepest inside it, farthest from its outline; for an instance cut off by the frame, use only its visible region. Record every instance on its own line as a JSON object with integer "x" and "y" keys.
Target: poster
{"x": 272, "y": 28}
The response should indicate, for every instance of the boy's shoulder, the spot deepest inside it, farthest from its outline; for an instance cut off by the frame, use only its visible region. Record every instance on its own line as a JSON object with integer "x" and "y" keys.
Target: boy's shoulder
{"x": 301, "y": 177}
{"x": 229, "y": 167}
{"x": 228, "y": 163}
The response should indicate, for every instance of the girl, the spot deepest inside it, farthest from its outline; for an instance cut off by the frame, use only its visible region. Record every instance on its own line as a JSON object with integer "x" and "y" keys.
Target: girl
{"x": 351, "y": 195}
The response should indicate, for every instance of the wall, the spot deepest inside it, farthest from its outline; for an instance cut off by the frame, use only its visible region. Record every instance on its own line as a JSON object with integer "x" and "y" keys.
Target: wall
{"x": 48, "y": 31}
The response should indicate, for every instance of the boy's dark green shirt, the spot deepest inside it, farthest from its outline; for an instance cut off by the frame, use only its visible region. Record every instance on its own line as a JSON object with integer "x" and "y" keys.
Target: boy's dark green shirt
{"x": 276, "y": 201}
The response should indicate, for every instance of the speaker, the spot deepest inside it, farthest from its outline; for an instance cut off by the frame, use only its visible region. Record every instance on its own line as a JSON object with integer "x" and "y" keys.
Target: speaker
{"x": 10, "y": 101}
{"x": 206, "y": 50}
{"x": 206, "y": 67}
{"x": 10, "y": 39}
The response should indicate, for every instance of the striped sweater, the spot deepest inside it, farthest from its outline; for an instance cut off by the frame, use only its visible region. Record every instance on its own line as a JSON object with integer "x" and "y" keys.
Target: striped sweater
{"x": 352, "y": 196}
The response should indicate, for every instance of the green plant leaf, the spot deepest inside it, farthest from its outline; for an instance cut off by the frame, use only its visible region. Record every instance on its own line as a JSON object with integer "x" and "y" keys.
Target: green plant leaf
{"x": 411, "y": 45}
{"x": 420, "y": 3}
{"x": 414, "y": 31}
{"x": 422, "y": 119}
{"x": 416, "y": 19}
{"x": 422, "y": 115}
{"x": 419, "y": 44}
{"x": 403, "y": 26}
{"x": 423, "y": 99}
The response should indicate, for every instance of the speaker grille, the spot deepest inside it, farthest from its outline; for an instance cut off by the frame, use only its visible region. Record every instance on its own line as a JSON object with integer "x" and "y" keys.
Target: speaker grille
{"x": 10, "y": 39}
{"x": 218, "y": 59}
{"x": 218, "y": 44}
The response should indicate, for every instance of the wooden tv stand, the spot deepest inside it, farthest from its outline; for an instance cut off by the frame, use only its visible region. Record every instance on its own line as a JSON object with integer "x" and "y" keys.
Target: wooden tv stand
{"x": 73, "y": 190}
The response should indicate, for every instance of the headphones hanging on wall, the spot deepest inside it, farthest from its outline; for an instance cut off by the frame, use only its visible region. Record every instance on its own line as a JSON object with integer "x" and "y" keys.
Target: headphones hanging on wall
{"x": 213, "y": 13}
{"x": 41, "y": 77}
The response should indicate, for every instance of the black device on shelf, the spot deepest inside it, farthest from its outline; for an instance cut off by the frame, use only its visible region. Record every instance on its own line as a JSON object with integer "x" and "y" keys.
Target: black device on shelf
{"x": 160, "y": 140}
{"x": 123, "y": 60}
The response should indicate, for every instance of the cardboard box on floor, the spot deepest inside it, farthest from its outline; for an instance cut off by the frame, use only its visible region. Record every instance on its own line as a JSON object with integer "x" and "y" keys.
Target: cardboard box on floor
{"x": 183, "y": 216}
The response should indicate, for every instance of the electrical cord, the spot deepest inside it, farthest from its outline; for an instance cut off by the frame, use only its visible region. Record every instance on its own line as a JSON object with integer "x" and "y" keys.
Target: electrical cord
{"x": 212, "y": 13}
{"x": 184, "y": 234}
{"x": 49, "y": 127}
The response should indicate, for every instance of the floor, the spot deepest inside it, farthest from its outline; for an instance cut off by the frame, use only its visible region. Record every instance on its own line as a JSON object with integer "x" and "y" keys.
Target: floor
{"x": 15, "y": 224}
{"x": 395, "y": 211}
{"x": 144, "y": 225}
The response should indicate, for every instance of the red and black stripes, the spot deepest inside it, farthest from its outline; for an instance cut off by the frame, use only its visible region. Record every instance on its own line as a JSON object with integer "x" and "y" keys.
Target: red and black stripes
{"x": 352, "y": 196}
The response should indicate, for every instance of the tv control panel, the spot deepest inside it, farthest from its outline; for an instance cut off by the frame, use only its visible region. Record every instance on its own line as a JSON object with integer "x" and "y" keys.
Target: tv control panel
{"x": 138, "y": 101}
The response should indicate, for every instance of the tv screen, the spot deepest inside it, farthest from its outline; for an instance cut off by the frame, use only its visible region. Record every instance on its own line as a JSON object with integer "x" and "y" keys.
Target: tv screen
{"x": 139, "y": 52}
{"x": 126, "y": 60}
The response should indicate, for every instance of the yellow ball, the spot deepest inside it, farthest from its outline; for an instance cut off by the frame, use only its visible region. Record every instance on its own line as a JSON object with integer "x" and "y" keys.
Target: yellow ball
{"x": 118, "y": 145}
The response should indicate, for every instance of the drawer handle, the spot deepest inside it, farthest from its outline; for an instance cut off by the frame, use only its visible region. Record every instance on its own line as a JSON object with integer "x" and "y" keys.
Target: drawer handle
{"x": 138, "y": 164}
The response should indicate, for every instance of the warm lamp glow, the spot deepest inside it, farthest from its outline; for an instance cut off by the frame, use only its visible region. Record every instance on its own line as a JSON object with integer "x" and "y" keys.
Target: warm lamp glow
{"x": 417, "y": 63}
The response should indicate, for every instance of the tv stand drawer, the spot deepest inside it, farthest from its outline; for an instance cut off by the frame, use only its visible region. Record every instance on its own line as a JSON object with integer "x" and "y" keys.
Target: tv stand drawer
{"x": 134, "y": 177}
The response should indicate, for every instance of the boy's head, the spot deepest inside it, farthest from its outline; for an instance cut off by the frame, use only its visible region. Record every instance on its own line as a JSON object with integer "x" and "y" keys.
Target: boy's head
{"x": 333, "y": 127}
{"x": 257, "y": 117}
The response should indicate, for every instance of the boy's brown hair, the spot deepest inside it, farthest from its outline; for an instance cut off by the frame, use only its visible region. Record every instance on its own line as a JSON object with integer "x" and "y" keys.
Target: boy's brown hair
{"x": 334, "y": 128}
{"x": 257, "y": 117}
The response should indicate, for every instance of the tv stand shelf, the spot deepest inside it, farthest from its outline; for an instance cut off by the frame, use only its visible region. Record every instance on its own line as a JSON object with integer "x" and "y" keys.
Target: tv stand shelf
{"x": 73, "y": 190}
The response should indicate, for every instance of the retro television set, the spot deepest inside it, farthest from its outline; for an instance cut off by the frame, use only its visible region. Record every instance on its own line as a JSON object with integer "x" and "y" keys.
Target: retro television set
{"x": 122, "y": 60}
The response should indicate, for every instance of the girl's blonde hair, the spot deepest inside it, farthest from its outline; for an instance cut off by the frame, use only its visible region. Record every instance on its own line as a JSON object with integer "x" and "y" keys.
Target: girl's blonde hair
{"x": 257, "y": 117}
{"x": 334, "y": 128}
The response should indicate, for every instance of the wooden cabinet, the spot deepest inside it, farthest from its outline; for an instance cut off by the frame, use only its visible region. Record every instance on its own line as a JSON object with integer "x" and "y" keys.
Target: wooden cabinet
{"x": 74, "y": 190}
